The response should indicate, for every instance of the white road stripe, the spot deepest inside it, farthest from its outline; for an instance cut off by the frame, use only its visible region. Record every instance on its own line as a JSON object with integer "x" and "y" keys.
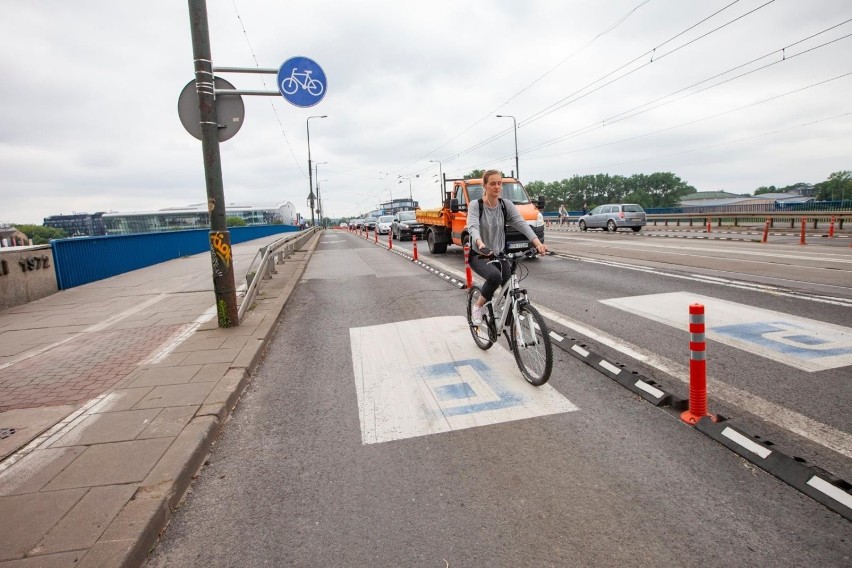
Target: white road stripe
{"x": 753, "y": 447}
{"x": 832, "y": 491}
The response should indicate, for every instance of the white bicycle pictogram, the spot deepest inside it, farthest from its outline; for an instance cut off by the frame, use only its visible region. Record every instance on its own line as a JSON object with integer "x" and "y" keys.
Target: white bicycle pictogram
{"x": 292, "y": 83}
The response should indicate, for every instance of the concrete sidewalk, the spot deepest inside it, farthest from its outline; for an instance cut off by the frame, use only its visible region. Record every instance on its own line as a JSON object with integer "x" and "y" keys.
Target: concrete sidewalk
{"x": 113, "y": 404}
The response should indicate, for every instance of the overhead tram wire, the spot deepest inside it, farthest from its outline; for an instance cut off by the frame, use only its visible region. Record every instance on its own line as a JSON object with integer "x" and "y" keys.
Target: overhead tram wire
{"x": 490, "y": 113}
{"x": 621, "y": 116}
{"x": 721, "y": 144}
{"x": 756, "y": 103}
{"x": 562, "y": 103}
{"x": 271, "y": 103}
{"x": 550, "y": 109}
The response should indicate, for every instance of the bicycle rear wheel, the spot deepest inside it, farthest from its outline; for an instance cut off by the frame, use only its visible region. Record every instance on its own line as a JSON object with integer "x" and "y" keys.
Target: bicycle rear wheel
{"x": 479, "y": 332}
{"x": 531, "y": 345}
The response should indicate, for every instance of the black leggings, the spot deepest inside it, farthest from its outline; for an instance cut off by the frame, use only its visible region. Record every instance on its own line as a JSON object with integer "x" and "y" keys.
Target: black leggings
{"x": 494, "y": 276}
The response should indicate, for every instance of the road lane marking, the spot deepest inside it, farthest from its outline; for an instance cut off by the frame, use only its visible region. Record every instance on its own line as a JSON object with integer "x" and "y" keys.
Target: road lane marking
{"x": 408, "y": 387}
{"x": 810, "y": 429}
{"x": 803, "y": 343}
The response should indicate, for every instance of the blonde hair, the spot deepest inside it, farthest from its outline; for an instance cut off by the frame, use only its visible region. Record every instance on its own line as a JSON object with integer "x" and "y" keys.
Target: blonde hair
{"x": 489, "y": 173}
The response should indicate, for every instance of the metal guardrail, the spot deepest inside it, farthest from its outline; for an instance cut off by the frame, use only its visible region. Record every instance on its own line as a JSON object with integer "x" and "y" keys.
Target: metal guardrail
{"x": 270, "y": 255}
{"x": 738, "y": 218}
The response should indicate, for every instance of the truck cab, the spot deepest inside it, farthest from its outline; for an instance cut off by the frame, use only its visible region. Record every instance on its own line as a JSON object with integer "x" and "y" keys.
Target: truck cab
{"x": 448, "y": 224}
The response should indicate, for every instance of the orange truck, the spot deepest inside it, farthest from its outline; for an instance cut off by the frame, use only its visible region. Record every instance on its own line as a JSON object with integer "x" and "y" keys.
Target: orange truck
{"x": 447, "y": 225}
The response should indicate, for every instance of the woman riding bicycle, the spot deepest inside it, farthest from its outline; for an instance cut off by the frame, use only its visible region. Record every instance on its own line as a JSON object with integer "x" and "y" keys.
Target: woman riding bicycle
{"x": 488, "y": 234}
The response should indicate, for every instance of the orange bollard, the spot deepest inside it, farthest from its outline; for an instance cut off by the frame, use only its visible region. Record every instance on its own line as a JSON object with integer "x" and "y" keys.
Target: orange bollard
{"x": 765, "y": 232}
{"x": 390, "y": 241}
{"x": 467, "y": 272}
{"x": 802, "y": 238}
{"x": 414, "y": 242}
{"x": 831, "y": 228}
{"x": 697, "y": 368}
{"x": 376, "y": 235}
{"x": 709, "y": 230}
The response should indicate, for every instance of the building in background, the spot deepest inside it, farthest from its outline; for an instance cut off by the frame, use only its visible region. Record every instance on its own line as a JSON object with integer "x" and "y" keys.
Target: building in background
{"x": 78, "y": 224}
{"x": 12, "y": 237}
{"x": 395, "y": 206}
{"x": 195, "y": 217}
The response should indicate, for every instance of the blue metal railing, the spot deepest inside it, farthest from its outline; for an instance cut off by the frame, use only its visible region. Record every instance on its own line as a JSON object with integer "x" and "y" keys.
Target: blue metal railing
{"x": 79, "y": 261}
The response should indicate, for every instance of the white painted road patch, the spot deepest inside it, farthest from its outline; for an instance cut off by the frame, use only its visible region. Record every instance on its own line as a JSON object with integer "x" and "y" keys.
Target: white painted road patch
{"x": 799, "y": 342}
{"x": 420, "y": 377}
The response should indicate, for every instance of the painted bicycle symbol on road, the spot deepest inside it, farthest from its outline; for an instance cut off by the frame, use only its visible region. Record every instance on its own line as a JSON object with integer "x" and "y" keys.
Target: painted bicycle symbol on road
{"x": 302, "y": 81}
{"x": 292, "y": 83}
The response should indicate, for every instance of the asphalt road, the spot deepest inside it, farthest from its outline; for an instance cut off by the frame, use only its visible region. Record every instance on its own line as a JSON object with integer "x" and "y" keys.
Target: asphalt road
{"x": 607, "y": 480}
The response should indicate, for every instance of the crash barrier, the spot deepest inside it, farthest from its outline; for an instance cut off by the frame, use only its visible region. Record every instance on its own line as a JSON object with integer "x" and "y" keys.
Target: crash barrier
{"x": 270, "y": 255}
{"x": 697, "y": 367}
{"x": 816, "y": 220}
{"x": 82, "y": 260}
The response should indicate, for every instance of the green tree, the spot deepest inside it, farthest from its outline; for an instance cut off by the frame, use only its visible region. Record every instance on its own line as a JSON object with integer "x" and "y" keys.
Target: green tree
{"x": 766, "y": 189}
{"x": 838, "y": 186}
{"x": 235, "y": 222}
{"x": 41, "y": 235}
{"x": 474, "y": 174}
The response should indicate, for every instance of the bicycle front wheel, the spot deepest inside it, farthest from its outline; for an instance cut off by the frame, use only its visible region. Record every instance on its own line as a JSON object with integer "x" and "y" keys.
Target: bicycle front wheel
{"x": 479, "y": 332}
{"x": 289, "y": 86}
{"x": 531, "y": 345}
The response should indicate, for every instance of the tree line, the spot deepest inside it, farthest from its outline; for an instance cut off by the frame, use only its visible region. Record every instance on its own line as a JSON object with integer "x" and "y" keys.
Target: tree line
{"x": 659, "y": 189}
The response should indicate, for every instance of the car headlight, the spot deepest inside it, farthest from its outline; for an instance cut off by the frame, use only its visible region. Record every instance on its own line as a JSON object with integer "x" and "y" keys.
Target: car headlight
{"x": 539, "y": 220}
{"x": 403, "y": 226}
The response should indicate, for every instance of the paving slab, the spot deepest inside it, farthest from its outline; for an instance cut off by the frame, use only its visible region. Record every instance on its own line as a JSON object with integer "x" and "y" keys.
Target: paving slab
{"x": 117, "y": 390}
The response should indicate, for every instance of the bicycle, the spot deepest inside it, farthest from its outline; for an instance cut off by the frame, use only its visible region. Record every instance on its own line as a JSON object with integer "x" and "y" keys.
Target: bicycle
{"x": 292, "y": 83}
{"x": 529, "y": 337}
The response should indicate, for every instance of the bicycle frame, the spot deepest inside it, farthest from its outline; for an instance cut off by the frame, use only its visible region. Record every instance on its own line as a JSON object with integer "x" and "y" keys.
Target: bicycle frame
{"x": 512, "y": 296}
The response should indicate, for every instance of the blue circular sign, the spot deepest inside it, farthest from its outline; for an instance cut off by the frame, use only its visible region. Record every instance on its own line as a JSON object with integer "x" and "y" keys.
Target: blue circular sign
{"x": 302, "y": 81}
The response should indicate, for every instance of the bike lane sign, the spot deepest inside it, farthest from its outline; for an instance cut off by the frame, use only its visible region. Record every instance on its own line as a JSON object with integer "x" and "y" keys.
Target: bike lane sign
{"x": 302, "y": 82}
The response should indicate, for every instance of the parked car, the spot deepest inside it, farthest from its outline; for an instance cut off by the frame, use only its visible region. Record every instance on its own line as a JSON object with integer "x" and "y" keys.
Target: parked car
{"x": 614, "y": 216}
{"x": 405, "y": 225}
{"x": 356, "y": 224}
{"x": 384, "y": 224}
{"x": 370, "y": 223}
{"x": 344, "y": 225}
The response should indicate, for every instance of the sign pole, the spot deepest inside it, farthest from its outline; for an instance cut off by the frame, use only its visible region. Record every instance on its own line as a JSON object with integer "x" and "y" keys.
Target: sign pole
{"x": 220, "y": 237}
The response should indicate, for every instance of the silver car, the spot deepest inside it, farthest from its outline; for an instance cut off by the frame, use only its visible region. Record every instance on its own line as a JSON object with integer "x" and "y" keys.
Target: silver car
{"x": 614, "y": 216}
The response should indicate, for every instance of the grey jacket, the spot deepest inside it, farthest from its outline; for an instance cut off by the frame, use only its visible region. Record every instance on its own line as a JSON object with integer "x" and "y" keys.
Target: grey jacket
{"x": 491, "y": 230}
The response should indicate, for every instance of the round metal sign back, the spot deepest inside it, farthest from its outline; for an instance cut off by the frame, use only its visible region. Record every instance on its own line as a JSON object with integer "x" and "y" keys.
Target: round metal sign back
{"x": 230, "y": 110}
{"x": 302, "y": 82}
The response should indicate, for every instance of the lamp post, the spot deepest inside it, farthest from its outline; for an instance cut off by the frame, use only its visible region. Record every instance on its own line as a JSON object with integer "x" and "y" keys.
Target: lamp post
{"x": 440, "y": 179}
{"x": 319, "y": 199}
{"x": 311, "y": 196}
{"x": 410, "y": 195}
{"x": 515, "y": 122}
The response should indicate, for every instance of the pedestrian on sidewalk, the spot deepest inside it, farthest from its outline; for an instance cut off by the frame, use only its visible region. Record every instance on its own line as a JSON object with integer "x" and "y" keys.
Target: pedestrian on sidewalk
{"x": 563, "y": 215}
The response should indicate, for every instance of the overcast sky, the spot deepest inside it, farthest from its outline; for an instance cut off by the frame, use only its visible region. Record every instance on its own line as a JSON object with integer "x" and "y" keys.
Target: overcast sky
{"x": 90, "y": 90}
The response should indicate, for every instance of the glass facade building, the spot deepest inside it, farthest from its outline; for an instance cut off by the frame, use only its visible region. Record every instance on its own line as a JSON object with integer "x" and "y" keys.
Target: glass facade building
{"x": 196, "y": 217}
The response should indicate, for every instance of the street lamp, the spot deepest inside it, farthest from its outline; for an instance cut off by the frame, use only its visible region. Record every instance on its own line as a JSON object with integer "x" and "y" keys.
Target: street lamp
{"x": 410, "y": 195}
{"x": 319, "y": 199}
{"x": 517, "y": 168}
{"x": 440, "y": 179}
{"x": 311, "y": 196}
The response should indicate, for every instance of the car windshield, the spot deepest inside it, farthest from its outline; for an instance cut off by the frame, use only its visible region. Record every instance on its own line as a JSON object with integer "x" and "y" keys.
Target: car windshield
{"x": 370, "y": 219}
{"x": 407, "y": 216}
{"x": 512, "y": 190}
{"x": 385, "y": 218}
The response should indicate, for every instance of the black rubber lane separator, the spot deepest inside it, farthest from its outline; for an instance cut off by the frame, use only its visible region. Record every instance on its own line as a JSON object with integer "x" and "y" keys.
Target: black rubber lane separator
{"x": 815, "y": 482}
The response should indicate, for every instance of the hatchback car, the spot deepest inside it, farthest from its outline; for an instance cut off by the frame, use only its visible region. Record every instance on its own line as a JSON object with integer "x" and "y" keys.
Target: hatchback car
{"x": 370, "y": 223}
{"x": 614, "y": 216}
{"x": 356, "y": 224}
{"x": 384, "y": 224}
{"x": 405, "y": 225}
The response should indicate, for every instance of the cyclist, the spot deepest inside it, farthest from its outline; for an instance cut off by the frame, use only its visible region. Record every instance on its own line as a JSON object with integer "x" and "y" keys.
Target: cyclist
{"x": 488, "y": 234}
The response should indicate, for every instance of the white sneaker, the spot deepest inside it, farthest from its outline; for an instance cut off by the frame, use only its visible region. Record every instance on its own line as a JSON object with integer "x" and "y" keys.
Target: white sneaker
{"x": 476, "y": 315}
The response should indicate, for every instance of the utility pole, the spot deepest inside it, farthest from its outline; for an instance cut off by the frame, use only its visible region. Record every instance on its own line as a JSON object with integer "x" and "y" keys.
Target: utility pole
{"x": 220, "y": 237}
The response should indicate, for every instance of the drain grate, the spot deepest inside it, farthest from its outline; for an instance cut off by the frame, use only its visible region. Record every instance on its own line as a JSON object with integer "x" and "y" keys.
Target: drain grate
{"x": 6, "y": 432}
